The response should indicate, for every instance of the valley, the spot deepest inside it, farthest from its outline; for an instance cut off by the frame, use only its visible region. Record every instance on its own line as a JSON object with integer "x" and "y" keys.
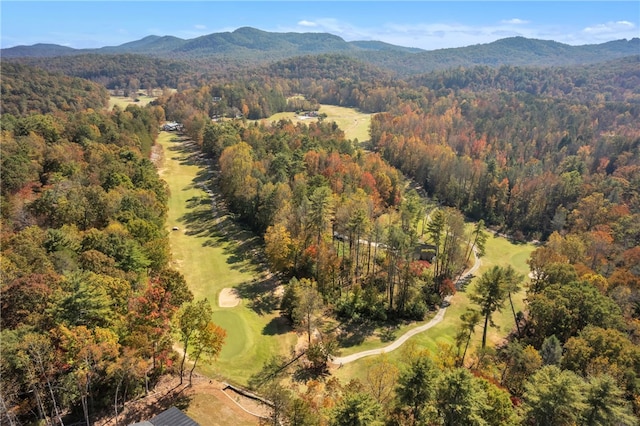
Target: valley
{"x": 329, "y": 232}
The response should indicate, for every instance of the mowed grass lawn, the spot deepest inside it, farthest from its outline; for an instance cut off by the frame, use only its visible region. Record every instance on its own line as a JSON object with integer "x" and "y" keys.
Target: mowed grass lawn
{"x": 499, "y": 251}
{"x": 353, "y": 123}
{"x": 123, "y": 102}
{"x": 213, "y": 253}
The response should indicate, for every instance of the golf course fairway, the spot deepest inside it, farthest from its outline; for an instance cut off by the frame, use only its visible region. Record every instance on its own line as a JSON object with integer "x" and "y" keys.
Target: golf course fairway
{"x": 212, "y": 253}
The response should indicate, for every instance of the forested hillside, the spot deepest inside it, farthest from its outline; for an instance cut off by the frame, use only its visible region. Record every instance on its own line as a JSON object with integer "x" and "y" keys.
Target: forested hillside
{"x": 87, "y": 294}
{"x": 254, "y": 47}
{"x": 125, "y": 71}
{"x": 361, "y": 234}
{"x": 26, "y": 90}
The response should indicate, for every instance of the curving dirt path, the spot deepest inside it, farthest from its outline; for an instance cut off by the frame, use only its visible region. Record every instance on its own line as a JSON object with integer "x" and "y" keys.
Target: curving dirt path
{"x": 402, "y": 339}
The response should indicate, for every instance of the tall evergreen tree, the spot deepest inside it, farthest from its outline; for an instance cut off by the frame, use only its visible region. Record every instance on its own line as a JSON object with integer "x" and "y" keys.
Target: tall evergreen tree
{"x": 606, "y": 404}
{"x": 459, "y": 399}
{"x": 416, "y": 388}
{"x": 490, "y": 293}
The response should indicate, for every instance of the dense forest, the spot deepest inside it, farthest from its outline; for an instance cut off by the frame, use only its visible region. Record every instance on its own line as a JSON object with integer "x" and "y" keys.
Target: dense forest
{"x": 130, "y": 72}
{"x": 54, "y": 92}
{"x": 87, "y": 294}
{"x": 357, "y": 230}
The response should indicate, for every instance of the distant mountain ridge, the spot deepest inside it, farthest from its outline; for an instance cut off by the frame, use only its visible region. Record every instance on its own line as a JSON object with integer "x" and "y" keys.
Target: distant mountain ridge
{"x": 515, "y": 51}
{"x": 254, "y": 45}
{"x": 242, "y": 39}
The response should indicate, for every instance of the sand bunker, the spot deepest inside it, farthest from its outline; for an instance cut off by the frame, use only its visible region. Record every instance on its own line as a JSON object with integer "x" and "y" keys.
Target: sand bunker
{"x": 228, "y": 298}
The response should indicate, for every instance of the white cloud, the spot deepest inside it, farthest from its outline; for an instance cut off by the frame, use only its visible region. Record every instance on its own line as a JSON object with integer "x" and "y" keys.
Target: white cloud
{"x": 200, "y": 27}
{"x": 611, "y": 30}
{"x": 609, "y": 27}
{"x": 427, "y": 36}
{"x": 330, "y": 25}
{"x": 514, "y": 21}
{"x": 305, "y": 23}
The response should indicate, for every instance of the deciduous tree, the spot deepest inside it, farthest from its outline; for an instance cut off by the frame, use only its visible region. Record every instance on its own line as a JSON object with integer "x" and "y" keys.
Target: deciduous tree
{"x": 553, "y": 397}
{"x": 189, "y": 321}
{"x": 207, "y": 341}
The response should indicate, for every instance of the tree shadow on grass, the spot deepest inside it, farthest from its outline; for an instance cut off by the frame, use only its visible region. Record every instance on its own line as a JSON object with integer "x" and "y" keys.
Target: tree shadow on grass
{"x": 208, "y": 216}
{"x": 200, "y": 221}
{"x": 278, "y": 325}
{"x": 186, "y": 152}
{"x": 303, "y": 374}
{"x": 355, "y": 333}
{"x": 244, "y": 252}
{"x": 461, "y": 284}
{"x": 261, "y": 294}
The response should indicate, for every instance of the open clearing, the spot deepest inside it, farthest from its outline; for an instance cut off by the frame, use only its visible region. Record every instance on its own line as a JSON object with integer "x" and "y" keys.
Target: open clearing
{"x": 354, "y": 124}
{"x": 123, "y": 101}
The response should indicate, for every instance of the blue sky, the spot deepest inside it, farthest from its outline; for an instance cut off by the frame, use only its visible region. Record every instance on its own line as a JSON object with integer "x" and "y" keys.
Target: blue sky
{"x": 425, "y": 24}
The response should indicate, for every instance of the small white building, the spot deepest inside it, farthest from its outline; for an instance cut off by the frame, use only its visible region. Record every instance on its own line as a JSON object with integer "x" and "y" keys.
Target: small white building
{"x": 172, "y": 126}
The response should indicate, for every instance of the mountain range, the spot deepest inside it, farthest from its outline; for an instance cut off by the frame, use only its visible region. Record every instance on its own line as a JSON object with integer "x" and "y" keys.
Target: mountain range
{"x": 250, "y": 44}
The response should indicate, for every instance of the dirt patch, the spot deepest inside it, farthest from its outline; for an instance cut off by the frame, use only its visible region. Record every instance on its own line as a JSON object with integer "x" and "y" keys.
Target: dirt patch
{"x": 157, "y": 156}
{"x": 250, "y": 405}
{"x": 279, "y": 291}
{"x": 228, "y": 298}
{"x": 206, "y": 402}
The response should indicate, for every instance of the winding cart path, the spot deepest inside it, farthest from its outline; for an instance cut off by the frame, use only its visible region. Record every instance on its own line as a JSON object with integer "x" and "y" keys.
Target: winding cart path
{"x": 402, "y": 339}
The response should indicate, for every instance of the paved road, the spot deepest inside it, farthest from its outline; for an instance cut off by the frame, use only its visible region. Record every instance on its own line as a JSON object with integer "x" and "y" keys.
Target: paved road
{"x": 402, "y": 339}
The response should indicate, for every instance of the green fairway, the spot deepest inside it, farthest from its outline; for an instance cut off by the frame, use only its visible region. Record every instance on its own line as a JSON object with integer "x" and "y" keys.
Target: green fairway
{"x": 214, "y": 253}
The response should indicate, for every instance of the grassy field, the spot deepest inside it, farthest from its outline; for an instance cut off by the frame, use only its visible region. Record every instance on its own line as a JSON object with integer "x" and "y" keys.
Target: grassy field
{"x": 213, "y": 253}
{"x": 123, "y": 102}
{"x": 499, "y": 251}
{"x": 354, "y": 124}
